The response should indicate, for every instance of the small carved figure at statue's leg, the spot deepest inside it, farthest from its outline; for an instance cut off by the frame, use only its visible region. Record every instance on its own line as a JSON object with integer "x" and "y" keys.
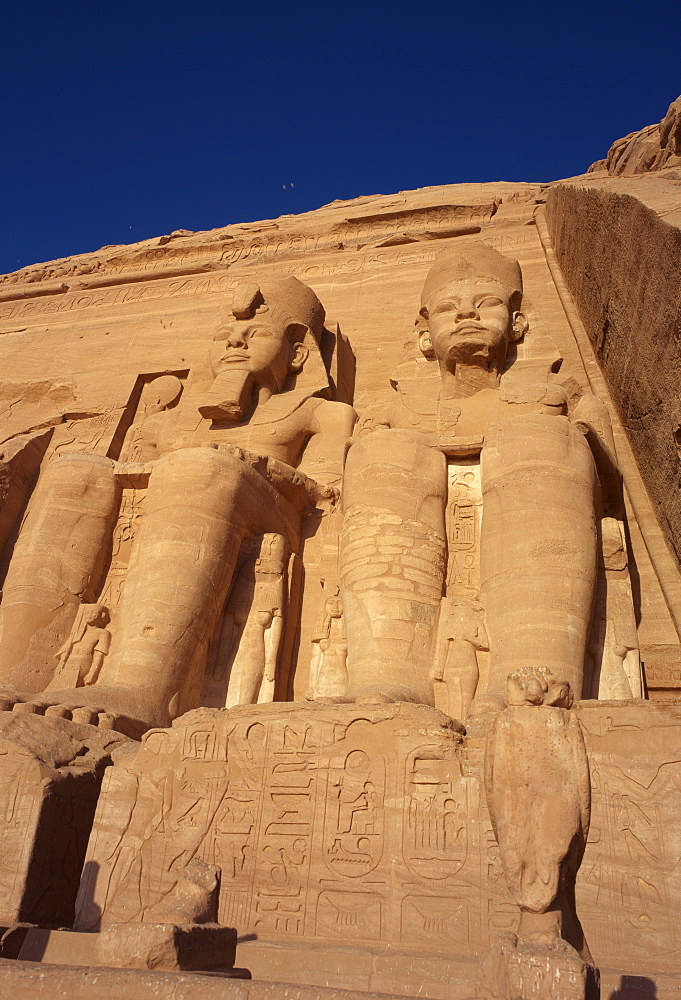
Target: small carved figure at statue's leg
{"x": 58, "y": 558}
{"x": 460, "y": 675}
{"x": 248, "y": 666}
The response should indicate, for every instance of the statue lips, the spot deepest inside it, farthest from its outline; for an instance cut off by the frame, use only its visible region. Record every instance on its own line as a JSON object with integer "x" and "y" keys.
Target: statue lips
{"x": 465, "y": 328}
{"x": 235, "y": 357}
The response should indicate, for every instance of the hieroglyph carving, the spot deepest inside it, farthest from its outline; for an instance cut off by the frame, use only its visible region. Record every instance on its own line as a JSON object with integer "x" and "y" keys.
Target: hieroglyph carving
{"x": 324, "y": 822}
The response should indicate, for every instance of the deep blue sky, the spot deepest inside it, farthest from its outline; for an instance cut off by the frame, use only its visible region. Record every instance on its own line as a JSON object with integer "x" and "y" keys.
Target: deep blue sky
{"x": 126, "y": 120}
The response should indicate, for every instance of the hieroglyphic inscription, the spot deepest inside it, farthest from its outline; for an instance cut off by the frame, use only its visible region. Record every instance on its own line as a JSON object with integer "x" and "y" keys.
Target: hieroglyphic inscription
{"x": 118, "y": 295}
{"x": 629, "y": 885}
{"x": 463, "y": 519}
{"x": 435, "y": 841}
{"x": 353, "y": 834}
{"x": 226, "y": 248}
{"x": 303, "y": 817}
{"x": 285, "y": 845}
{"x": 343, "y": 261}
{"x": 337, "y": 822}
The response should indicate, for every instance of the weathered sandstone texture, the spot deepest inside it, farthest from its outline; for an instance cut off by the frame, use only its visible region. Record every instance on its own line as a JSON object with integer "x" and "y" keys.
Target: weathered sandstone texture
{"x": 618, "y": 245}
{"x": 341, "y": 603}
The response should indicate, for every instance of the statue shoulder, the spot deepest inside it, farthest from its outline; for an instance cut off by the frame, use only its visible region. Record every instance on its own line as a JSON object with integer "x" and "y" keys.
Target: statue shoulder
{"x": 329, "y": 416}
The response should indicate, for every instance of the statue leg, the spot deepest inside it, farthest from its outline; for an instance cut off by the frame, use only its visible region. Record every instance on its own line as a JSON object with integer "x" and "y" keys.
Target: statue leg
{"x": 248, "y": 668}
{"x": 392, "y": 564}
{"x": 538, "y": 547}
{"x": 200, "y": 505}
{"x": 59, "y": 556}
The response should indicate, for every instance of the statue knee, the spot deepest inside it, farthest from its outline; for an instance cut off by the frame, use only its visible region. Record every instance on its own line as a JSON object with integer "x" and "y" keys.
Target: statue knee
{"x": 202, "y": 468}
{"x": 79, "y": 473}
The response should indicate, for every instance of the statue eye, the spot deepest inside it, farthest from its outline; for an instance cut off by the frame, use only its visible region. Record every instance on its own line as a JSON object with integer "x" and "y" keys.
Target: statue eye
{"x": 490, "y": 300}
{"x": 260, "y": 331}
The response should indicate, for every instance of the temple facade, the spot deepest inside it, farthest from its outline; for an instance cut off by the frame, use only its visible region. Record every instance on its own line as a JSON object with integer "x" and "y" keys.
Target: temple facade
{"x": 340, "y": 634}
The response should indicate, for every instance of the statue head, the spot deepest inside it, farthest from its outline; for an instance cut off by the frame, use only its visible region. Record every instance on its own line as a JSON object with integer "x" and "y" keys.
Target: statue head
{"x": 263, "y": 342}
{"x": 471, "y": 307}
{"x": 94, "y": 614}
{"x": 266, "y": 330}
{"x": 161, "y": 393}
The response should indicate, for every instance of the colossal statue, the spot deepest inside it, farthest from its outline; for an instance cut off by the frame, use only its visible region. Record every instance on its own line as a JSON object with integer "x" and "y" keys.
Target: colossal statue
{"x": 234, "y": 471}
{"x": 473, "y": 505}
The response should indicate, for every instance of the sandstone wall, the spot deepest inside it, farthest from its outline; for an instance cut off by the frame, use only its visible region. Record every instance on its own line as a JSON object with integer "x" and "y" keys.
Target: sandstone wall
{"x": 621, "y": 265}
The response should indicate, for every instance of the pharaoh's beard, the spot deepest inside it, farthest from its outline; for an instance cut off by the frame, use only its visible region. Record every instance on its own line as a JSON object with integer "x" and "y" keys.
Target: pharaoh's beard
{"x": 476, "y": 350}
{"x": 229, "y": 397}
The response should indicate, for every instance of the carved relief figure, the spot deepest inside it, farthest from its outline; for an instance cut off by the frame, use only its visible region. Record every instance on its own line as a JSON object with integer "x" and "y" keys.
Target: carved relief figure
{"x": 232, "y": 465}
{"x": 468, "y": 406}
{"x": 255, "y": 620}
{"x": 81, "y": 657}
{"x": 328, "y": 669}
{"x": 141, "y": 440}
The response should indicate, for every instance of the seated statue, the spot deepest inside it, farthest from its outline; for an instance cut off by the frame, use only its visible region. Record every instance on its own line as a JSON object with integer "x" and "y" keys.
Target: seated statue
{"x": 473, "y": 506}
{"x": 239, "y": 467}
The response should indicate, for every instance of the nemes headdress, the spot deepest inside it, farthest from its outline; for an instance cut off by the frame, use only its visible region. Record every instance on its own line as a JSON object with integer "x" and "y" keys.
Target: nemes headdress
{"x": 475, "y": 259}
{"x": 287, "y": 299}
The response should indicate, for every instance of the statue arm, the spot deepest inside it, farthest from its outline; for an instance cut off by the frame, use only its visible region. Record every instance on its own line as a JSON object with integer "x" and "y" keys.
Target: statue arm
{"x": 331, "y": 428}
{"x": 103, "y": 641}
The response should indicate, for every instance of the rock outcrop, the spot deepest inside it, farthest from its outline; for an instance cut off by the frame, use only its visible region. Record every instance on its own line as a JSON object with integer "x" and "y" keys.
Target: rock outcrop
{"x": 654, "y": 147}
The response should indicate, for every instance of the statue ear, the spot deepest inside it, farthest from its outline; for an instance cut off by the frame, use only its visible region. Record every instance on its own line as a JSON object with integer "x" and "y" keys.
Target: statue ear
{"x": 426, "y": 344}
{"x": 425, "y": 340}
{"x": 299, "y": 356}
{"x": 520, "y": 326}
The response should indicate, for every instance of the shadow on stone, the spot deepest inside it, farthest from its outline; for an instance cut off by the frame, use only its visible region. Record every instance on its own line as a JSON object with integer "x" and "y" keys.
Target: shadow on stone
{"x": 635, "y": 988}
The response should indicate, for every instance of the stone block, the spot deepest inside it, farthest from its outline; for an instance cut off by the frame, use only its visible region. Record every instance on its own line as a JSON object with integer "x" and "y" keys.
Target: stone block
{"x": 166, "y": 946}
{"x": 50, "y": 775}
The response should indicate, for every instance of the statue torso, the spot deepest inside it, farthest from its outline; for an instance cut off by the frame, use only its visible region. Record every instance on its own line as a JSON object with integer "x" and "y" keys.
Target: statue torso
{"x": 265, "y": 433}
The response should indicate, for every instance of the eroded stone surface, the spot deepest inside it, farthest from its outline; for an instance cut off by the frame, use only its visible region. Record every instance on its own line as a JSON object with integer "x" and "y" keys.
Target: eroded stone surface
{"x": 50, "y": 775}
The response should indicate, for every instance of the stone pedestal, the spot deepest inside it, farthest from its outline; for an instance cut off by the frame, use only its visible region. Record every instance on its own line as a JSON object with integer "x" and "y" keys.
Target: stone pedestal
{"x": 167, "y": 947}
{"x": 50, "y": 775}
{"x": 354, "y": 846}
{"x": 517, "y": 968}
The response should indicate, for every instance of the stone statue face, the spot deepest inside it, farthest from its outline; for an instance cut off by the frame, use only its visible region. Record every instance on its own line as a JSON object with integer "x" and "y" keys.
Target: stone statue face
{"x": 97, "y": 615}
{"x": 470, "y": 321}
{"x": 260, "y": 347}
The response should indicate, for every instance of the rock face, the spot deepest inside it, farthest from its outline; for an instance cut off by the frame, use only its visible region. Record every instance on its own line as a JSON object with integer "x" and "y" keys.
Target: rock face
{"x": 285, "y": 506}
{"x": 652, "y": 148}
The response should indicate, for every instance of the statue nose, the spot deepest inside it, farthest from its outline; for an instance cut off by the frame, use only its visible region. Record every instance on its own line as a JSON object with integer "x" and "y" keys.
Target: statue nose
{"x": 467, "y": 311}
{"x": 236, "y": 339}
